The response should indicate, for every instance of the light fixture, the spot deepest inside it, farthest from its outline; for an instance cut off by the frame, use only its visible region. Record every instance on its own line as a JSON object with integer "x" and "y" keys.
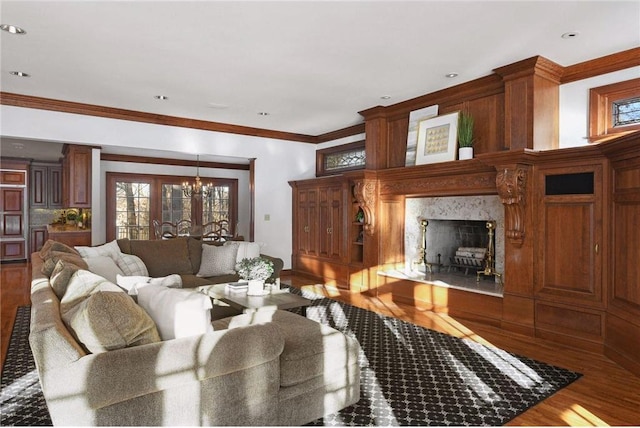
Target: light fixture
{"x": 570, "y": 35}
{"x": 161, "y": 97}
{"x": 196, "y": 189}
{"x": 451, "y": 75}
{"x": 263, "y": 113}
{"x": 385, "y": 97}
{"x": 12, "y": 29}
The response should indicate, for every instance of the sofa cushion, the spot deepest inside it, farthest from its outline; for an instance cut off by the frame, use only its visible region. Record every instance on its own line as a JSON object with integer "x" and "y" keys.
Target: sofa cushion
{"x": 177, "y": 313}
{"x": 54, "y": 256}
{"x": 163, "y": 257}
{"x": 311, "y": 349}
{"x": 217, "y": 260}
{"x": 104, "y": 266}
{"x": 246, "y": 250}
{"x": 109, "y": 320}
{"x": 81, "y": 285}
{"x": 132, "y": 265}
{"x": 195, "y": 251}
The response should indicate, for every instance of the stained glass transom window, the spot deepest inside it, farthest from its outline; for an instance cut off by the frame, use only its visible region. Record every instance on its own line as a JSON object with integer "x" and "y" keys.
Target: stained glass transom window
{"x": 347, "y": 159}
{"x": 626, "y": 112}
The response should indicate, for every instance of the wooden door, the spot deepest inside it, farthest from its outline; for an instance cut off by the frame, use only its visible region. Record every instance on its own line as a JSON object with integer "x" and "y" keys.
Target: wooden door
{"x": 54, "y": 186}
{"x": 12, "y": 221}
{"x": 39, "y": 236}
{"x": 77, "y": 176}
{"x": 38, "y": 187}
{"x": 331, "y": 208}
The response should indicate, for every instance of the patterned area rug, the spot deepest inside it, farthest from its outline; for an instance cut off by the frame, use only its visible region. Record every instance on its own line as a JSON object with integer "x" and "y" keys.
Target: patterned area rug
{"x": 21, "y": 399}
{"x": 410, "y": 375}
{"x": 413, "y": 376}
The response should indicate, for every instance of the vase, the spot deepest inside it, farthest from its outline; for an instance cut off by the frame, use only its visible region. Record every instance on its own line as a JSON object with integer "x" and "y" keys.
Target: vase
{"x": 256, "y": 287}
{"x": 465, "y": 153}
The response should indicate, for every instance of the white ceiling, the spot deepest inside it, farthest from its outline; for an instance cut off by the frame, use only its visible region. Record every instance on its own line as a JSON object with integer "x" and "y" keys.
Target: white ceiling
{"x": 311, "y": 65}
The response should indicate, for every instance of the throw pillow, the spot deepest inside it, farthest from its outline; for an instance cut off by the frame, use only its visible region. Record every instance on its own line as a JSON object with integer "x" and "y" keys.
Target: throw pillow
{"x": 52, "y": 245}
{"x": 61, "y": 275}
{"x": 104, "y": 266}
{"x": 246, "y": 250}
{"x": 177, "y": 313}
{"x": 109, "y": 320}
{"x": 82, "y": 284}
{"x": 218, "y": 260}
{"x": 110, "y": 249}
{"x": 132, "y": 283}
{"x": 132, "y": 265}
{"x": 55, "y": 256}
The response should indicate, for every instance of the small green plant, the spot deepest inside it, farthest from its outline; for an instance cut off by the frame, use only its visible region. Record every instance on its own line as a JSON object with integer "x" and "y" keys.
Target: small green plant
{"x": 255, "y": 268}
{"x": 71, "y": 216}
{"x": 465, "y": 130}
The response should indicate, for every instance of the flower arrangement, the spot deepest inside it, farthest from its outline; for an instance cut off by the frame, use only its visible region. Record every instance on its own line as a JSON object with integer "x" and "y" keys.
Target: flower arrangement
{"x": 255, "y": 268}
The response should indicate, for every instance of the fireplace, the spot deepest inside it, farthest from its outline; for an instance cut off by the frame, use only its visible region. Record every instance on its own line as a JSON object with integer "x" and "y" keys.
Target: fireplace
{"x": 456, "y": 234}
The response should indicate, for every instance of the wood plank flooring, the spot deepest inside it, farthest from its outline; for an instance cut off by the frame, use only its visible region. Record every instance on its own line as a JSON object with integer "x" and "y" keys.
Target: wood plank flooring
{"x": 606, "y": 395}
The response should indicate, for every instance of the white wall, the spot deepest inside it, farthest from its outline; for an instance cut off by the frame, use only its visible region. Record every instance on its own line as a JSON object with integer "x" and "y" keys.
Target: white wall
{"x": 574, "y": 105}
{"x": 277, "y": 162}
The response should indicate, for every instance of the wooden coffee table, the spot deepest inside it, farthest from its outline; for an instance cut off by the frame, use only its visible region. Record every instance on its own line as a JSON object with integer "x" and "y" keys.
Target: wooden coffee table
{"x": 238, "y": 299}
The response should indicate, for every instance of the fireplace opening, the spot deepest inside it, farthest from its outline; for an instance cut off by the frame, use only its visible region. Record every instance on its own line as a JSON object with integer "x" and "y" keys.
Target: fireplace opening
{"x": 456, "y": 242}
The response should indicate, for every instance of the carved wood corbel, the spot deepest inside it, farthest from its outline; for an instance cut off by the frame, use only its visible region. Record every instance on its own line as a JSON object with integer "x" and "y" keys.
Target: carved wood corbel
{"x": 365, "y": 193}
{"x": 511, "y": 183}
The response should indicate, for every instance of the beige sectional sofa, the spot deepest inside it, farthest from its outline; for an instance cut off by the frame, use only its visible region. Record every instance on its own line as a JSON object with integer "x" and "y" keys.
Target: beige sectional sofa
{"x": 266, "y": 368}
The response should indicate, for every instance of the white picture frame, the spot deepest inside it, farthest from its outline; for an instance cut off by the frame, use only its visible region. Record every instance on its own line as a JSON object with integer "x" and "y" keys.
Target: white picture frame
{"x": 437, "y": 139}
{"x": 415, "y": 117}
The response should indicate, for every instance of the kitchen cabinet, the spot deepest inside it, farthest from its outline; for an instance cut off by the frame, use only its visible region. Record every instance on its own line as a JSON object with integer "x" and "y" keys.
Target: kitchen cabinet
{"x": 39, "y": 236}
{"x": 76, "y": 176}
{"x": 13, "y": 210}
{"x": 45, "y": 186}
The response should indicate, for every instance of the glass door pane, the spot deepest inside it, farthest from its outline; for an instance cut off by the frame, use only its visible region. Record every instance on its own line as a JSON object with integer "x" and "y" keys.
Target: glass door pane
{"x": 132, "y": 210}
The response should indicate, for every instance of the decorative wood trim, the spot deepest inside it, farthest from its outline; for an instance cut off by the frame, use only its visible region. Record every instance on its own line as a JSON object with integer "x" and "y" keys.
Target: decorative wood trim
{"x": 538, "y": 65}
{"x": 606, "y": 64}
{"x": 27, "y": 101}
{"x": 176, "y": 162}
{"x": 341, "y": 133}
{"x": 511, "y": 182}
{"x": 365, "y": 192}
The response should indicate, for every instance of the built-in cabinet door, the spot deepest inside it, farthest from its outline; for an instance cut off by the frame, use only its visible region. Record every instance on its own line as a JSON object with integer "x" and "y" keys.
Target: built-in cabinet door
{"x": 331, "y": 207}
{"x": 12, "y": 206}
{"x": 307, "y": 222}
{"x": 39, "y": 236}
{"x": 76, "y": 180}
{"x": 45, "y": 186}
{"x": 570, "y": 236}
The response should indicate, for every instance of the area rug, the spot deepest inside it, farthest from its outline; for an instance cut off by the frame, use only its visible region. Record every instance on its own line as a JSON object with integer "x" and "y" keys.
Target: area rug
{"x": 21, "y": 399}
{"x": 410, "y": 375}
{"x": 414, "y": 376}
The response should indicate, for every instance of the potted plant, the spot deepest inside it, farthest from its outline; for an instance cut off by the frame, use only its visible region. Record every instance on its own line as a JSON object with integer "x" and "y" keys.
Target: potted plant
{"x": 465, "y": 136}
{"x": 256, "y": 271}
{"x": 71, "y": 217}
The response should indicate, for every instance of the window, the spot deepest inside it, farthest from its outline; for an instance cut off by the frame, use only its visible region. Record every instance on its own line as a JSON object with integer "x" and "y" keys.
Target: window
{"x": 614, "y": 109}
{"x": 135, "y": 200}
{"x": 337, "y": 159}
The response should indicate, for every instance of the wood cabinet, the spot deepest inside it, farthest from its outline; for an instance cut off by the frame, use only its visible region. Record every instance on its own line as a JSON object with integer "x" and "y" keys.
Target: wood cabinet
{"x": 71, "y": 238}
{"x": 320, "y": 229}
{"x": 76, "y": 176}
{"x": 13, "y": 210}
{"x": 45, "y": 186}
{"x": 39, "y": 236}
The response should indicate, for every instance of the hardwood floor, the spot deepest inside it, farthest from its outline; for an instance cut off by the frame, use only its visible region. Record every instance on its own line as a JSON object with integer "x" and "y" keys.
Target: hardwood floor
{"x": 606, "y": 395}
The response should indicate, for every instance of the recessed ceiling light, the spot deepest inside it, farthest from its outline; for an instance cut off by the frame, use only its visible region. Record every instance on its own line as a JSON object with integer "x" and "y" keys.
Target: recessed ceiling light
{"x": 570, "y": 35}
{"x": 19, "y": 74}
{"x": 451, "y": 75}
{"x": 385, "y": 97}
{"x": 12, "y": 29}
{"x": 263, "y": 113}
{"x": 161, "y": 97}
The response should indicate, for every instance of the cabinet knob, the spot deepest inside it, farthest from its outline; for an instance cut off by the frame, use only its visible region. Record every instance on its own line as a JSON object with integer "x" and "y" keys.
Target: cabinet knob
{"x": 596, "y": 248}
{"x": 329, "y": 230}
{"x": 306, "y": 229}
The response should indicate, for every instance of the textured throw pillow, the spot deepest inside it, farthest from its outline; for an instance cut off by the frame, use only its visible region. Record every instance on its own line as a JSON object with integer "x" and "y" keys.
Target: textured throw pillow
{"x": 61, "y": 275}
{"x": 82, "y": 284}
{"x": 177, "y": 313}
{"x": 133, "y": 283}
{"x": 132, "y": 265}
{"x": 110, "y": 249}
{"x": 246, "y": 250}
{"x": 104, "y": 266}
{"x": 51, "y": 245}
{"x": 55, "y": 256}
{"x": 218, "y": 260}
{"x": 109, "y": 320}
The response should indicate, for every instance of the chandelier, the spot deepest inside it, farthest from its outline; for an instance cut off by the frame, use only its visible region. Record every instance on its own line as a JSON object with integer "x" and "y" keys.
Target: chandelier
{"x": 196, "y": 189}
